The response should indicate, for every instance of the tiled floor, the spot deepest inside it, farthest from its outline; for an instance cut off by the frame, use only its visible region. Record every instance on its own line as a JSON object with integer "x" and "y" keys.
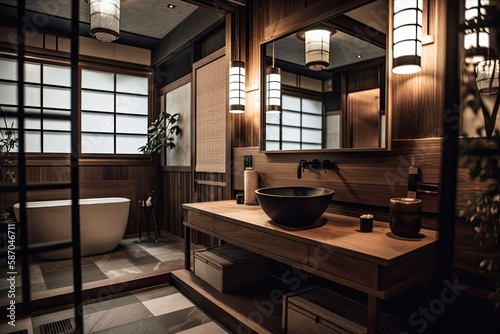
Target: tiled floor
{"x": 160, "y": 309}
{"x": 154, "y": 310}
{"x": 130, "y": 257}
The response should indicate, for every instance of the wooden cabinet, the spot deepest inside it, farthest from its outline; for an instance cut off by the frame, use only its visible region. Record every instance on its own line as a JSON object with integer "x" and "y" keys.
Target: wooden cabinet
{"x": 377, "y": 263}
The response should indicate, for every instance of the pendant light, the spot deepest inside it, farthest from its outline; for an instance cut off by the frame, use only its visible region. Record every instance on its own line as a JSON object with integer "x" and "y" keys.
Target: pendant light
{"x": 105, "y": 19}
{"x": 407, "y": 36}
{"x": 317, "y": 49}
{"x": 487, "y": 77}
{"x": 273, "y": 85}
{"x": 237, "y": 77}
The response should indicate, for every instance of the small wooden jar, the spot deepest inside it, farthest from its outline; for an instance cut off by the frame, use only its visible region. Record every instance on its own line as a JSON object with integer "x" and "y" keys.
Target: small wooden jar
{"x": 405, "y": 218}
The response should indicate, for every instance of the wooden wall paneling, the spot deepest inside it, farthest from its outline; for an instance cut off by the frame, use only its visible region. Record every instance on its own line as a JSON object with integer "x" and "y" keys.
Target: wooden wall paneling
{"x": 177, "y": 189}
{"x": 362, "y": 178}
{"x": 134, "y": 182}
{"x": 418, "y": 98}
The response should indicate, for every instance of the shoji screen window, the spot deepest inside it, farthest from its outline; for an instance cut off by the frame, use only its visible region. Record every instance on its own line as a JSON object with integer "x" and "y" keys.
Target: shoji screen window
{"x": 114, "y": 112}
{"x": 298, "y": 126}
{"x": 47, "y": 91}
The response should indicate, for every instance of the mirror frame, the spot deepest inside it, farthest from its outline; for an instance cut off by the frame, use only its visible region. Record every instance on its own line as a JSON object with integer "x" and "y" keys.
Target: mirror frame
{"x": 300, "y": 20}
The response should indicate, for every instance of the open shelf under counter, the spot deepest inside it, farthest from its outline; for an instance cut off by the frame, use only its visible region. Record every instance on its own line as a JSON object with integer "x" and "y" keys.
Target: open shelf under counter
{"x": 254, "y": 308}
{"x": 377, "y": 263}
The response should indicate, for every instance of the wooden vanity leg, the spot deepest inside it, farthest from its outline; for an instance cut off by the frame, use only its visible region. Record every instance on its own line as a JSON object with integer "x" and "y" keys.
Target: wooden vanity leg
{"x": 187, "y": 248}
{"x": 372, "y": 314}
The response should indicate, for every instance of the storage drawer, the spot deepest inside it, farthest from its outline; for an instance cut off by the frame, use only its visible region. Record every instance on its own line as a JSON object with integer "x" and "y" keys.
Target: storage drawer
{"x": 317, "y": 310}
{"x": 229, "y": 267}
{"x": 200, "y": 220}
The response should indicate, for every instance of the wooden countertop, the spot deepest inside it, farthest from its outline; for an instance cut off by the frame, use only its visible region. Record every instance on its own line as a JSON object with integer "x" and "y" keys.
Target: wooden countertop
{"x": 336, "y": 232}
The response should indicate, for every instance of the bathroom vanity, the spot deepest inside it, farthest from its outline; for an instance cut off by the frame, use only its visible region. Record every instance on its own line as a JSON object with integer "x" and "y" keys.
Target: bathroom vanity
{"x": 377, "y": 263}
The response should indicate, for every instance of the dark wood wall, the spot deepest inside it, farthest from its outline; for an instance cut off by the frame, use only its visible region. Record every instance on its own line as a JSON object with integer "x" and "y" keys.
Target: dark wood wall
{"x": 414, "y": 101}
{"x": 364, "y": 181}
{"x": 98, "y": 178}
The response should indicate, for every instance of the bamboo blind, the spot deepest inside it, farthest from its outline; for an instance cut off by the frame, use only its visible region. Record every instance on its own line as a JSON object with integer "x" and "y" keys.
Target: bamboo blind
{"x": 211, "y": 102}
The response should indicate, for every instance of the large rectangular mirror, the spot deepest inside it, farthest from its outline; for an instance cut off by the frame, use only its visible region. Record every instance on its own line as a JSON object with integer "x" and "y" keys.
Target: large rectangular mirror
{"x": 336, "y": 99}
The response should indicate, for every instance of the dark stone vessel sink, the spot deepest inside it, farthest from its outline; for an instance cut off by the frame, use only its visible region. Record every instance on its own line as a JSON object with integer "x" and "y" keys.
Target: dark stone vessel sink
{"x": 294, "y": 206}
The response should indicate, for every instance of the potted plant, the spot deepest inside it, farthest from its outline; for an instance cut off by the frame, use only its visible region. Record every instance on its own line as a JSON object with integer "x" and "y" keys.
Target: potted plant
{"x": 8, "y": 143}
{"x": 161, "y": 133}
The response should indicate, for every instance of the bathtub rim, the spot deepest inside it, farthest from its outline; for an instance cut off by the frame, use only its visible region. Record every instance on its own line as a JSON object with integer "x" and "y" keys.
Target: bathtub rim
{"x": 67, "y": 202}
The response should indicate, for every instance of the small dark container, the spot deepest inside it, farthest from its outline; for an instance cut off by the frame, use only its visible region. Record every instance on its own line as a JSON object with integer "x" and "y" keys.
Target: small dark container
{"x": 366, "y": 223}
{"x": 239, "y": 199}
{"x": 405, "y": 218}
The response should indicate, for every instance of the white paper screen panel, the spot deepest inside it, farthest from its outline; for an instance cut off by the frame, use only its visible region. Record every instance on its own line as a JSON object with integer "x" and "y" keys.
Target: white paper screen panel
{"x": 94, "y": 122}
{"x": 32, "y": 73}
{"x": 179, "y": 101}
{"x": 290, "y": 118}
{"x": 312, "y": 106}
{"x": 56, "y": 142}
{"x": 98, "y": 80}
{"x": 56, "y": 75}
{"x": 57, "y": 97}
{"x": 273, "y": 118}
{"x": 333, "y": 130}
{"x": 8, "y": 93}
{"x": 32, "y": 96}
{"x": 311, "y": 121}
{"x": 33, "y": 142}
{"x": 131, "y": 124}
{"x": 98, "y": 101}
{"x": 290, "y": 102}
{"x": 131, "y": 84}
{"x": 311, "y": 136}
{"x": 272, "y": 133}
{"x": 54, "y": 124}
{"x": 129, "y": 144}
{"x": 132, "y": 104}
{"x": 290, "y": 146}
{"x": 291, "y": 134}
{"x": 8, "y": 69}
{"x": 97, "y": 143}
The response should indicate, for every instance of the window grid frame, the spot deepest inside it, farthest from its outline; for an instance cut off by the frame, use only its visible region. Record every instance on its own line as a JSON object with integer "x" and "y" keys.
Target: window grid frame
{"x": 88, "y": 66}
{"x": 301, "y": 142}
{"x": 42, "y": 108}
{"x": 114, "y": 113}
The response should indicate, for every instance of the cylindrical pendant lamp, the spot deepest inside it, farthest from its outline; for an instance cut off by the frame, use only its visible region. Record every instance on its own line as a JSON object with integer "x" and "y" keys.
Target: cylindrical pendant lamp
{"x": 273, "y": 85}
{"x": 105, "y": 19}
{"x": 407, "y": 36}
{"x": 317, "y": 49}
{"x": 237, "y": 87}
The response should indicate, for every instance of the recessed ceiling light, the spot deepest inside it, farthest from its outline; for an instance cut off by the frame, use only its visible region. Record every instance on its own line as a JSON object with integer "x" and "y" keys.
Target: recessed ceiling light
{"x": 359, "y": 56}
{"x": 171, "y": 6}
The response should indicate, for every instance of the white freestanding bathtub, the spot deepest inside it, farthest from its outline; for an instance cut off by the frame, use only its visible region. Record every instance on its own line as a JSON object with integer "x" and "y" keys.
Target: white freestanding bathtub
{"x": 102, "y": 224}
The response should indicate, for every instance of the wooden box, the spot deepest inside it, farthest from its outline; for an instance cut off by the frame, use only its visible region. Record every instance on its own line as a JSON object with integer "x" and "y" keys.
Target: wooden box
{"x": 317, "y": 310}
{"x": 229, "y": 267}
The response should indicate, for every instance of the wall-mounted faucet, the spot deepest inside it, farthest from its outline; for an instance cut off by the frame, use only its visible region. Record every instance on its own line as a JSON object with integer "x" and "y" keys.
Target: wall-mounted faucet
{"x": 314, "y": 163}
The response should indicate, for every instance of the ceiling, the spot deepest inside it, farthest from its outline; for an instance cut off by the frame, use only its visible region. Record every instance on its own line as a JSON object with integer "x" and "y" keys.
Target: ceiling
{"x": 346, "y": 47}
{"x": 143, "y": 22}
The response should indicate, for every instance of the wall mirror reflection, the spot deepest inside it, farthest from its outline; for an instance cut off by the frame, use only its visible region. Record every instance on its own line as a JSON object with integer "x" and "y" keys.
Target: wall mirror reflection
{"x": 333, "y": 89}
